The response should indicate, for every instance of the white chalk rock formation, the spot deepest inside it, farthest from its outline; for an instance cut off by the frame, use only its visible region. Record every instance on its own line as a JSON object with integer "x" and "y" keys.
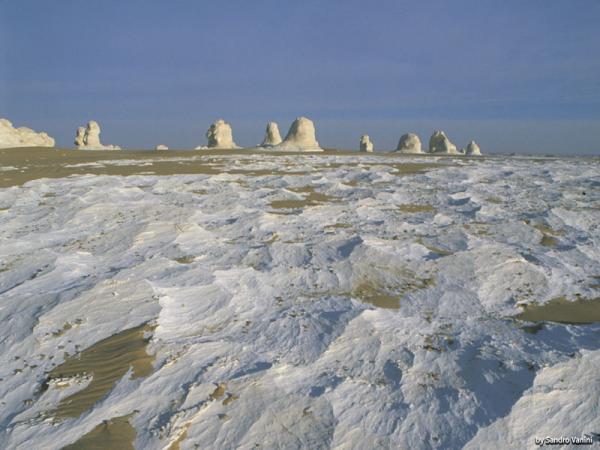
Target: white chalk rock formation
{"x": 161, "y": 147}
{"x": 80, "y": 137}
{"x": 92, "y": 135}
{"x": 88, "y": 138}
{"x": 439, "y": 143}
{"x": 365, "y": 143}
{"x": 220, "y": 135}
{"x": 409, "y": 143}
{"x": 301, "y": 137}
{"x": 272, "y": 136}
{"x": 22, "y": 136}
{"x": 473, "y": 149}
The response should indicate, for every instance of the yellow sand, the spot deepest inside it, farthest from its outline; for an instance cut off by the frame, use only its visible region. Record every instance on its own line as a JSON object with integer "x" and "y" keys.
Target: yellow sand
{"x": 34, "y": 163}
{"x": 113, "y": 434}
{"x": 107, "y": 362}
{"x": 561, "y": 310}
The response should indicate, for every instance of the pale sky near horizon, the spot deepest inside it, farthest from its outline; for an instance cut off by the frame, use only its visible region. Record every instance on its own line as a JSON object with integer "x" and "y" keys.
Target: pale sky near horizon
{"x": 515, "y": 75}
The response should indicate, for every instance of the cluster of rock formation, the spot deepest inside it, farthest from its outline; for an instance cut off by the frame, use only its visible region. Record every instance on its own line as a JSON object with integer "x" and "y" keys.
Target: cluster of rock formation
{"x": 365, "y": 143}
{"x": 22, "y": 137}
{"x": 438, "y": 144}
{"x": 88, "y": 138}
{"x": 300, "y": 137}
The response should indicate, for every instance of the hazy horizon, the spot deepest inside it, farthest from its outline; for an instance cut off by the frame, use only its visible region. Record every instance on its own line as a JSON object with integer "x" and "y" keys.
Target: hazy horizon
{"x": 513, "y": 76}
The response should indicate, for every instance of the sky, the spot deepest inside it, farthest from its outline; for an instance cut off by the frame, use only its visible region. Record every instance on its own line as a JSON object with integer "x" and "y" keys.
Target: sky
{"x": 515, "y": 75}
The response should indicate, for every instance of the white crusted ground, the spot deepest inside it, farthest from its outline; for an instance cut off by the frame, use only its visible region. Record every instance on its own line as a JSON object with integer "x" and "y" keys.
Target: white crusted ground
{"x": 265, "y": 303}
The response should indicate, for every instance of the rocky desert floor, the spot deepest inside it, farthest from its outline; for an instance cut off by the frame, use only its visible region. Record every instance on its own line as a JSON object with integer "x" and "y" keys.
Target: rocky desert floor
{"x": 247, "y": 299}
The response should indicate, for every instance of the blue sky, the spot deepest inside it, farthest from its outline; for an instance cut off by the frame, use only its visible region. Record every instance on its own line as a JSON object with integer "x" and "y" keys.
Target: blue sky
{"x": 516, "y": 75}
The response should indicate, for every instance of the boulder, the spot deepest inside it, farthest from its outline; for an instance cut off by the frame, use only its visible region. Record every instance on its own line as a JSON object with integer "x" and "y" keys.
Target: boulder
{"x": 272, "y": 136}
{"x": 409, "y": 143}
{"x": 22, "y": 136}
{"x": 220, "y": 135}
{"x": 473, "y": 149}
{"x": 365, "y": 143}
{"x": 88, "y": 138}
{"x": 161, "y": 147}
{"x": 301, "y": 137}
{"x": 439, "y": 143}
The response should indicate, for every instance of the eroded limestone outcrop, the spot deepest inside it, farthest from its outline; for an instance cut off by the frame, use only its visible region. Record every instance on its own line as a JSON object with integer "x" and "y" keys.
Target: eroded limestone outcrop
{"x": 22, "y": 136}
{"x": 301, "y": 137}
{"x": 409, "y": 143}
{"x": 272, "y": 136}
{"x": 439, "y": 143}
{"x": 365, "y": 143}
{"x": 80, "y": 137}
{"x": 88, "y": 138}
{"x": 220, "y": 135}
{"x": 473, "y": 149}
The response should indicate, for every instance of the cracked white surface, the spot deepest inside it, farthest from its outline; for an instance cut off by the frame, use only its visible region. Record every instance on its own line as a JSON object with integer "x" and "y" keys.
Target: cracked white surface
{"x": 265, "y": 302}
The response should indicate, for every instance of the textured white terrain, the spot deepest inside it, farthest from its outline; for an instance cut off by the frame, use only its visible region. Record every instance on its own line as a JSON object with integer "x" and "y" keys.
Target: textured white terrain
{"x": 275, "y": 304}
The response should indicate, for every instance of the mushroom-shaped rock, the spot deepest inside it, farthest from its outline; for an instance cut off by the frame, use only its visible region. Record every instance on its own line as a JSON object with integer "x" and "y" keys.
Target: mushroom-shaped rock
{"x": 439, "y": 143}
{"x": 91, "y": 138}
{"x": 365, "y": 143}
{"x": 272, "y": 136}
{"x": 220, "y": 135}
{"x": 409, "y": 143}
{"x": 473, "y": 149}
{"x": 22, "y": 136}
{"x": 162, "y": 147}
{"x": 301, "y": 137}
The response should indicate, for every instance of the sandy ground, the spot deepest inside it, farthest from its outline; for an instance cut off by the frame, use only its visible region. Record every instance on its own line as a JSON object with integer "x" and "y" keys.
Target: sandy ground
{"x": 20, "y": 165}
{"x": 105, "y": 362}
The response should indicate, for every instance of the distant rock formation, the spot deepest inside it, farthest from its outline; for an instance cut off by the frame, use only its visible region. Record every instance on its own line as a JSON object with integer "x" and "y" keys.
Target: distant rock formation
{"x": 409, "y": 143}
{"x": 80, "y": 137}
{"x": 301, "y": 137}
{"x": 272, "y": 136}
{"x": 92, "y": 135}
{"x": 88, "y": 138}
{"x": 220, "y": 135}
{"x": 473, "y": 149}
{"x": 439, "y": 143}
{"x": 22, "y": 136}
{"x": 365, "y": 143}
{"x": 161, "y": 147}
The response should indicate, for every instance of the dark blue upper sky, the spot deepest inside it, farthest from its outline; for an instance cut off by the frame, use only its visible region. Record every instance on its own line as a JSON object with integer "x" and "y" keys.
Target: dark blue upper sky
{"x": 516, "y": 75}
